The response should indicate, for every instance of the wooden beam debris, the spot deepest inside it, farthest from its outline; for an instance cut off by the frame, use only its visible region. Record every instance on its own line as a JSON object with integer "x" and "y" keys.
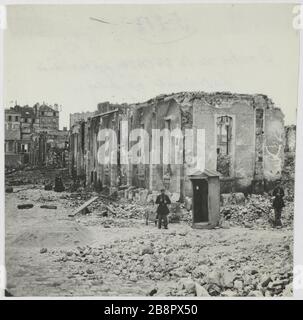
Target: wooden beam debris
{"x": 82, "y": 209}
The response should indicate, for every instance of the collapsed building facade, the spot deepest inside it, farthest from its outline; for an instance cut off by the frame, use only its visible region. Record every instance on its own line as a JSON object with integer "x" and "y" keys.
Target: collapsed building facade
{"x": 50, "y": 148}
{"x": 243, "y": 134}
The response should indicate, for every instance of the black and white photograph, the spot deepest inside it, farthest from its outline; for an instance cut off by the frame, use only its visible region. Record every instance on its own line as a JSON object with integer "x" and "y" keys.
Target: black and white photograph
{"x": 150, "y": 149}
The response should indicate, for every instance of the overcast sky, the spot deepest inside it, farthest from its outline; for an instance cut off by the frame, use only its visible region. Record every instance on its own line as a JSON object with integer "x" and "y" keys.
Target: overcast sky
{"x": 58, "y": 54}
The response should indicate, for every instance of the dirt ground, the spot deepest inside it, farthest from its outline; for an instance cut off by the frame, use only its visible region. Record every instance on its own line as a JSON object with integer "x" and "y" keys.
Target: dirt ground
{"x": 51, "y": 254}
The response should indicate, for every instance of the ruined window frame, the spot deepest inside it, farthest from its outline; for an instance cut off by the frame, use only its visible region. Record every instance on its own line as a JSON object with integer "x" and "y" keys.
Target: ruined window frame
{"x": 229, "y": 151}
{"x": 228, "y": 133}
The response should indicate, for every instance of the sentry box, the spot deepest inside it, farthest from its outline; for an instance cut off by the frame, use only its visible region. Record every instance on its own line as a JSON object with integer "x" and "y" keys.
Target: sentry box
{"x": 206, "y": 198}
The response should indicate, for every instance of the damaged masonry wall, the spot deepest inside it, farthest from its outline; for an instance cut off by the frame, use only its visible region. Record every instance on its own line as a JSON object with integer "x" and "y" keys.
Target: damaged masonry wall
{"x": 248, "y": 130}
{"x": 290, "y": 138}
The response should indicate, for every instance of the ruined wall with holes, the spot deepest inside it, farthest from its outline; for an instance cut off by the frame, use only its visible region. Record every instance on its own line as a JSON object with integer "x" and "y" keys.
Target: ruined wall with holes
{"x": 255, "y": 146}
{"x": 101, "y": 155}
{"x": 148, "y": 117}
{"x": 239, "y": 108}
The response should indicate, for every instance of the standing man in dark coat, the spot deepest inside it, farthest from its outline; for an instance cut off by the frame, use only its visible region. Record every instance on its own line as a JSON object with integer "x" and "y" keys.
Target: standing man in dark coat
{"x": 162, "y": 211}
{"x": 278, "y": 204}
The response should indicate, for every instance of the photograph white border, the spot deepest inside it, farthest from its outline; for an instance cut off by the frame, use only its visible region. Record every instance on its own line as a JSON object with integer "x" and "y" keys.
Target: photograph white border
{"x": 298, "y": 216}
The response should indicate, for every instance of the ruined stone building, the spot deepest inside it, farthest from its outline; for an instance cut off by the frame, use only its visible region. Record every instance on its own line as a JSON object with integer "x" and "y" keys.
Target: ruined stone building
{"x": 244, "y": 141}
{"x": 24, "y": 127}
{"x": 80, "y": 116}
{"x": 50, "y": 148}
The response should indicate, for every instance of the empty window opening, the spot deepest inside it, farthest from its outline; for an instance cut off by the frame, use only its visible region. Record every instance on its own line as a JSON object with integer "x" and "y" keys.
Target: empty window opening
{"x": 224, "y": 143}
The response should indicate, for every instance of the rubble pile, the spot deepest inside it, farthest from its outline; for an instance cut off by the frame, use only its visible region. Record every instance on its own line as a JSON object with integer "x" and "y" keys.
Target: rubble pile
{"x": 180, "y": 265}
{"x": 37, "y": 176}
{"x": 75, "y": 199}
{"x": 223, "y": 164}
{"x": 107, "y": 222}
{"x": 180, "y": 261}
{"x": 256, "y": 210}
{"x": 45, "y": 199}
{"x": 125, "y": 208}
{"x": 105, "y": 207}
{"x": 121, "y": 209}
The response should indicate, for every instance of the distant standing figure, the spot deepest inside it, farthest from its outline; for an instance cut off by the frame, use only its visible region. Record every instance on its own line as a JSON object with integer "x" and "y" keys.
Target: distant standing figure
{"x": 162, "y": 210}
{"x": 59, "y": 187}
{"x": 278, "y": 204}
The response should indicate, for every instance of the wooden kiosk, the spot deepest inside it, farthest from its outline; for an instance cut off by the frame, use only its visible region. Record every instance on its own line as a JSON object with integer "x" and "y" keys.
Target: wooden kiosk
{"x": 206, "y": 198}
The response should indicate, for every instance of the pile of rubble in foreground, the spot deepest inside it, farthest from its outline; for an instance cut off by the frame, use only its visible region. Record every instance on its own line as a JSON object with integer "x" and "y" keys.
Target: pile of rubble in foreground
{"x": 183, "y": 264}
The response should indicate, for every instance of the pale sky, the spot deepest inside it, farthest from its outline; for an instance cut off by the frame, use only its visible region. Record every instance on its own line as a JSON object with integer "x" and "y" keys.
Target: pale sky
{"x": 58, "y": 54}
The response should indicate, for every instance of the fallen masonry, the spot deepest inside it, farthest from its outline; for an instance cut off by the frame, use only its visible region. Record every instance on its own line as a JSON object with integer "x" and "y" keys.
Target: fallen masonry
{"x": 25, "y": 206}
{"x": 255, "y": 211}
{"x": 48, "y": 207}
{"x": 111, "y": 251}
{"x": 181, "y": 266}
{"x": 83, "y": 208}
{"x": 9, "y": 190}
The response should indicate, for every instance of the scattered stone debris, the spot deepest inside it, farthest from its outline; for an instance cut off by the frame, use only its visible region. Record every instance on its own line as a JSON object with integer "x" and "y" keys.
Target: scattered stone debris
{"x": 25, "y": 206}
{"x": 147, "y": 250}
{"x": 201, "y": 291}
{"x": 83, "y": 208}
{"x": 37, "y": 176}
{"x": 124, "y": 208}
{"x": 90, "y": 271}
{"x": 180, "y": 266}
{"x": 255, "y": 211}
{"x": 223, "y": 164}
{"x": 44, "y": 206}
{"x": 152, "y": 292}
{"x": 48, "y": 187}
{"x": 9, "y": 190}
{"x": 175, "y": 262}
